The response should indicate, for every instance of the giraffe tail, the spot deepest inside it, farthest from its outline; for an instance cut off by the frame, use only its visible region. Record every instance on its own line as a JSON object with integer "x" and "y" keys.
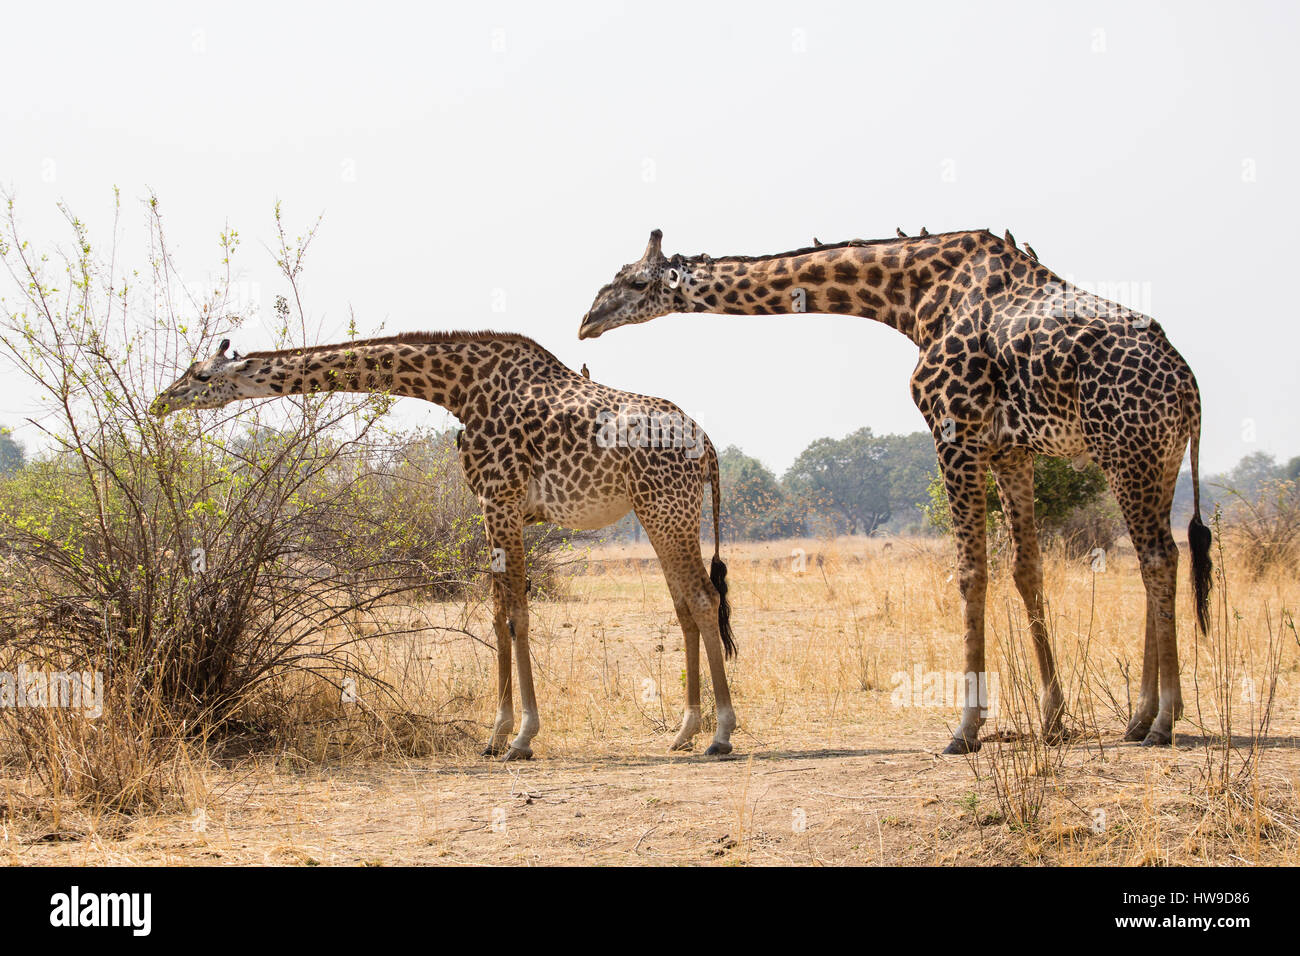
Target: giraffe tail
{"x": 718, "y": 569}
{"x": 1199, "y": 536}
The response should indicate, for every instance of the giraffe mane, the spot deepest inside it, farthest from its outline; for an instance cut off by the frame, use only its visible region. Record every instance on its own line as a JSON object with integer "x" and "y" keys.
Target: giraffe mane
{"x": 846, "y": 244}
{"x": 409, "y": 338}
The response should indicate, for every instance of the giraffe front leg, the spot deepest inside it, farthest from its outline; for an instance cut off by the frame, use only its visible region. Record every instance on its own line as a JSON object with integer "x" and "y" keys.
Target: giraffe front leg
{"x": 510, "y": 583}
{"x": 974, "y": 582}
{"x": 963, "y": 475}
{"x": 1014, "y": 469}
{"x": 520, "y": 748}
{"x": 504, "y": 722}
{"x": 498, "y": 526}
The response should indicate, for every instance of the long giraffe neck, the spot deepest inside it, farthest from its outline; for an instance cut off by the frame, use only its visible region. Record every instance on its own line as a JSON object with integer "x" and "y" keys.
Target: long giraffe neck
{"x": 897, "y": 282}
{"x": 439, "y": 372}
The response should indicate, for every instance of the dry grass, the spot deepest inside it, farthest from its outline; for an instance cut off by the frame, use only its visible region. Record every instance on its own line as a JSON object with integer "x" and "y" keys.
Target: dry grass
{"x": 827, "y": 769}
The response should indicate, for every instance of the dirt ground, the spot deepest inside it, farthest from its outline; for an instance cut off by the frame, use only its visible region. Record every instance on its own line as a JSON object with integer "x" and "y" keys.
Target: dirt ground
{"x": 831, "y": 766}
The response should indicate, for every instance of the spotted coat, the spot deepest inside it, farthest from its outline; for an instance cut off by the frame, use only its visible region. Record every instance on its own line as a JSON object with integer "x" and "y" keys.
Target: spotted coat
{"x": 1012, "y": 361}
{"x": 540, "y": 443}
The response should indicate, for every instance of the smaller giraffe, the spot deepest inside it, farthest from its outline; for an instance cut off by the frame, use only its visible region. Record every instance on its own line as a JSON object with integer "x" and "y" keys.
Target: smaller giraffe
{"x": 540, "y": 443}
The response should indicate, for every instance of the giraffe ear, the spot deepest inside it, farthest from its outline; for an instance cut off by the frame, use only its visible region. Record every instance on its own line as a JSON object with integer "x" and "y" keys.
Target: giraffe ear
{"x": 237, "y": 366}
{"x": 654, "y": 248}
{"x": 672, "y": 278}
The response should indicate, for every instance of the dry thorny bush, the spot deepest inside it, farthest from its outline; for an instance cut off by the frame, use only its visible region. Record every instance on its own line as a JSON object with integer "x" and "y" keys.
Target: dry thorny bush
{"x": 1266, "y": 529}
{"x": 1230, "y": 695}
{"x": 221, "y": 570}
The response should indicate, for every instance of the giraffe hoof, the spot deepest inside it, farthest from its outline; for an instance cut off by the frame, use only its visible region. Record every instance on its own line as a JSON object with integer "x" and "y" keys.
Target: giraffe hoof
{"x": 1137, "y": 731}
{"x": 960, "y": 745}
{"x": 680, "y": 745}
{"x": 1157, "y": 738}
{"x": 494, "y": 750}
{"x": 518, "y": 753}
{"x": 717, "y": 749}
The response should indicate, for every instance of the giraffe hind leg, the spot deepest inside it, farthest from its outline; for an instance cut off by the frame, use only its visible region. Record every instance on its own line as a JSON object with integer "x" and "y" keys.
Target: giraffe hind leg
{"x": 1145, "y": 499}
{"x": 1148, "y": 694}
{"x": 691, "y": 713}
{"x": 677, "y": 545}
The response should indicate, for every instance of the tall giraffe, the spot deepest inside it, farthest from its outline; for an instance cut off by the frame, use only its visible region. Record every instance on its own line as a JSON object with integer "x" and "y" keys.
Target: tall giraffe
{"x": 1013, "y": 361}
{"x": 540, "y": 443}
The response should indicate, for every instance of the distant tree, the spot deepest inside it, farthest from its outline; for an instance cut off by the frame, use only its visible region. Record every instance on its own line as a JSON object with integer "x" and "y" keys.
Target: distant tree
{"x": 1059, "y": 491}
{"x": 1252, "y": 473}
{"x": 935, "y": 505}
{"x": 754, "y": 505}
{"x": 911, "y": 461}
{"x": 11, "y": 453}
{"x": 849, "y": 477}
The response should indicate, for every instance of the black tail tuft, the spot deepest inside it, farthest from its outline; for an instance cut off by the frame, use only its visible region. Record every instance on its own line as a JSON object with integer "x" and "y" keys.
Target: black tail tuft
{"x": 1199, "y": 539}
{"x": 718, "y": 575}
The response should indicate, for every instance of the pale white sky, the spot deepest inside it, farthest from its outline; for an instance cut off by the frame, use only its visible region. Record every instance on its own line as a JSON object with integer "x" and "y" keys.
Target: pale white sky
{"x": 491, "y": 165}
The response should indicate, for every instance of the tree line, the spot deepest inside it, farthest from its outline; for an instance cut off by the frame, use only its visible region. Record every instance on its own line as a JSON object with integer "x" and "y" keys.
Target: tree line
{"x": 865, "y": 483}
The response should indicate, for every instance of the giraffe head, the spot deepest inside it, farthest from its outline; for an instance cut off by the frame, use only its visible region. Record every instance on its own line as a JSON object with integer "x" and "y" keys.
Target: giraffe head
{"x": 212, "y": 383}
{"x": 652, "y": 286}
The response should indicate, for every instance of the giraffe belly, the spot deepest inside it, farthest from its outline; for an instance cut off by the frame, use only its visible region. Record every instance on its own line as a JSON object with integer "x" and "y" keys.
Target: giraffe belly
{"x": 1045, "y": 434}
{"x": 571, "y": 507}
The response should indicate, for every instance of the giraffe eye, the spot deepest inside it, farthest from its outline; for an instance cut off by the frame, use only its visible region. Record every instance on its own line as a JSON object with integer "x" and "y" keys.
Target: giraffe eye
{"x": 640, "y": 282}
{"x": 202, "y": 378}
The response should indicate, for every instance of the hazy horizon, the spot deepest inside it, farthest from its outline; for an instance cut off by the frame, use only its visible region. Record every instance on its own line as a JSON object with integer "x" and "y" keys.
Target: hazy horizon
{"x": 492, "y": 168}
